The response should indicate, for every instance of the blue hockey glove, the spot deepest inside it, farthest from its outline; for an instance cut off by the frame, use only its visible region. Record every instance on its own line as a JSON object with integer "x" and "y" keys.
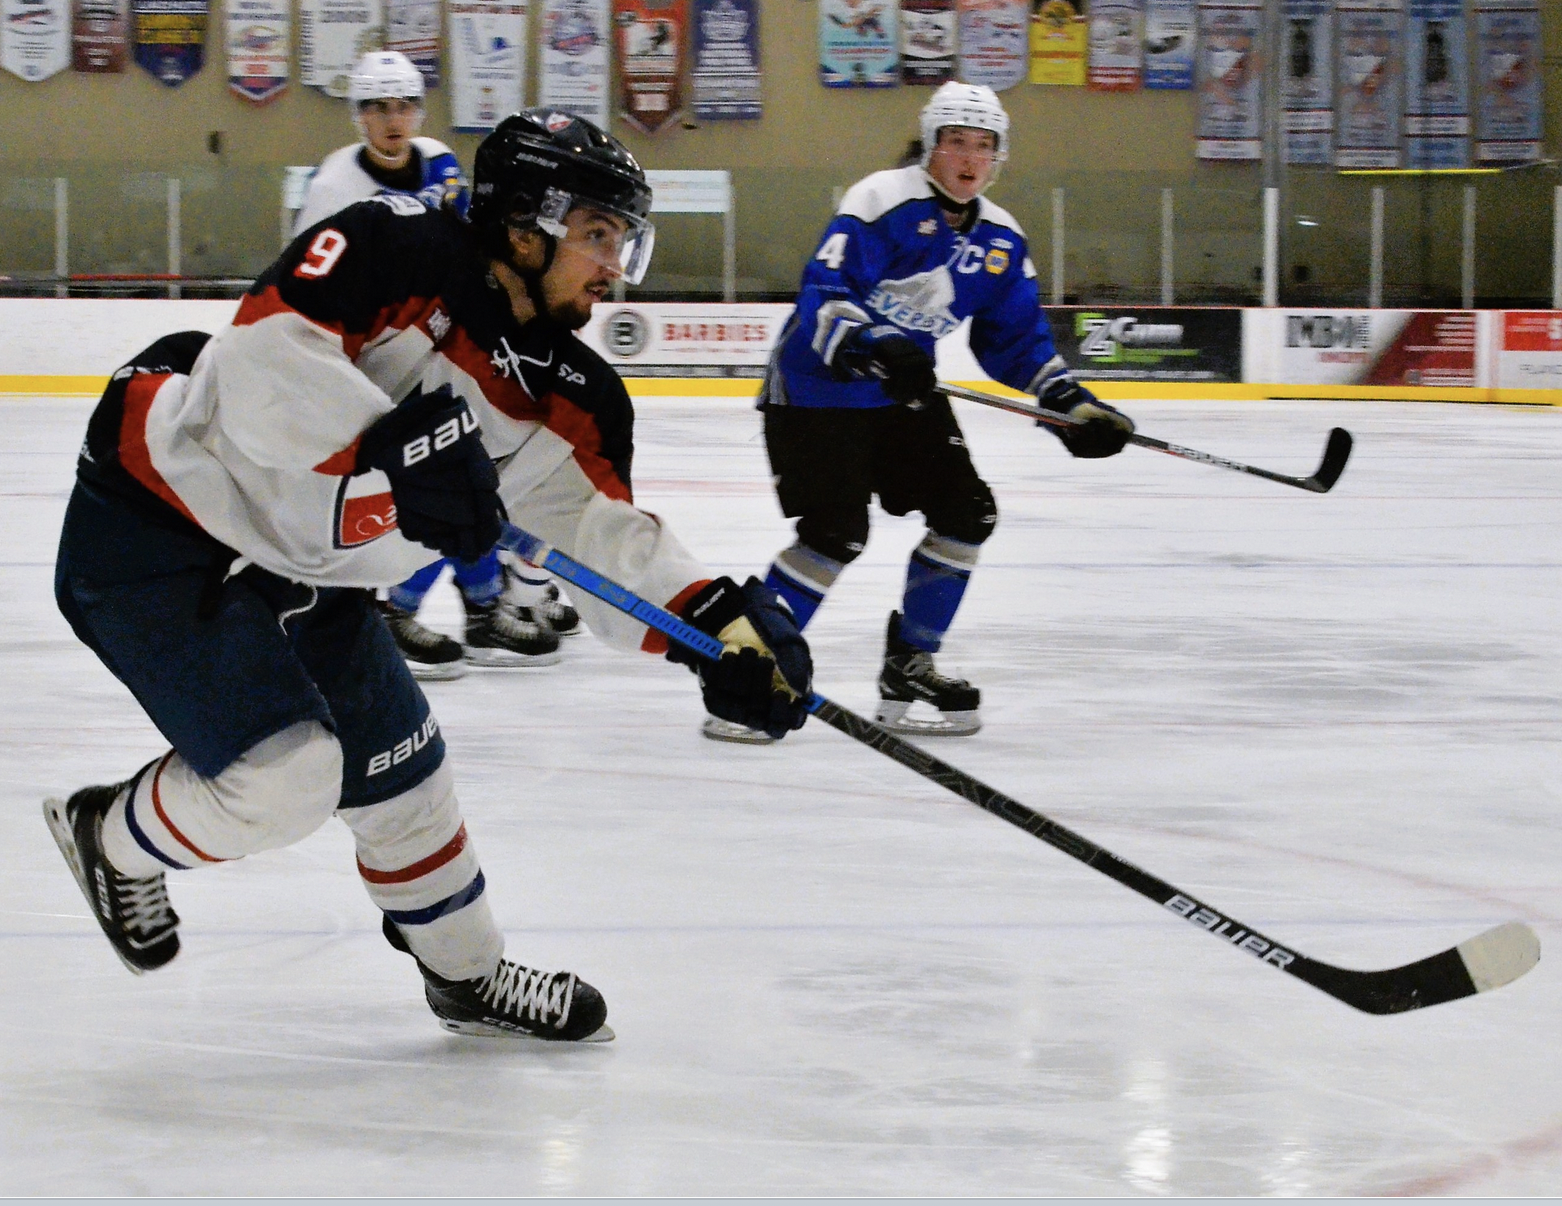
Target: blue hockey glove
{"x": 442, "y": 480}
{"x": 903, "y": 368}
{"x": 1105, "y": 429}
{"x": 765, "y": 672}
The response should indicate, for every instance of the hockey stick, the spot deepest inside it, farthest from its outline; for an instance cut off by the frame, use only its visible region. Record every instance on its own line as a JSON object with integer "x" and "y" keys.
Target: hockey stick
{"x": 1479, "y": 964}
{"x": 1335, "y": 453}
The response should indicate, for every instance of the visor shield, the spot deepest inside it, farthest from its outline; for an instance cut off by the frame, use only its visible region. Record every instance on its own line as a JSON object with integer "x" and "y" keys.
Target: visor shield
{"x": 622, "y": 243}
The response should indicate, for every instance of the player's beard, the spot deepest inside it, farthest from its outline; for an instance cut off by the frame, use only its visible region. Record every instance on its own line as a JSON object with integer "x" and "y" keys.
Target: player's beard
{"x": 572, "y": 314}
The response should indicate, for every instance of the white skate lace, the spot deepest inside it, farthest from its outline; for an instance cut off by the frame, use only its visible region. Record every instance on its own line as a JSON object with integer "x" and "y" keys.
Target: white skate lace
{"x": 552, "y": 607}
{"x": 535, "y": 995}
{"x": 507, "y": 622}
{"x": 920, "y": 666}
{"x": 143, "y": 903}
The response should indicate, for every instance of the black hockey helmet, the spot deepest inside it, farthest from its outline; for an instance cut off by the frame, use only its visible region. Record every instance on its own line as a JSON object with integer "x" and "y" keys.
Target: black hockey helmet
{"x": 540, "y": 163}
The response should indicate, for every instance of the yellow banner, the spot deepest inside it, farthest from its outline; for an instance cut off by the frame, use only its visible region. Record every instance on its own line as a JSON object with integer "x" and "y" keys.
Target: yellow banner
{"x": 1059, "y": 44}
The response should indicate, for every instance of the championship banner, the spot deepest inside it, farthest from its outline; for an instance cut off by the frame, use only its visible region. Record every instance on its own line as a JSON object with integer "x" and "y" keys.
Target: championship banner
{"x": 1116, "y": 46}
{"x": 1509, "y": 66}
{"x": 1371, "y": 34}
{"x": 257, "y": 48}
{"x": 170, "y": 37}
{"x": 1230, "y": 79}
{"x": 1150, "y": 344}
{"x": 726, "y": 60}
{"x": 35, "y": 39}
{"x": 573, "y": 75}
{"x": 487, "y": 62}
{"x": 651, "y": 54}
{"x": 1168, "y": 44}
{"x": 994, "y": 40}
{"x": 1307, "y": 83}
{"x": 1437, "y": 86}
{"x": 332, "y": 36}
{"x": 1429, "y": 348}
{"x": 100, "y": 35}
{"x": 927, "y": 41}
{"x": 1059, "y": 44}
{"x": 858, "y": 44}
{"x": 412, "y": 27}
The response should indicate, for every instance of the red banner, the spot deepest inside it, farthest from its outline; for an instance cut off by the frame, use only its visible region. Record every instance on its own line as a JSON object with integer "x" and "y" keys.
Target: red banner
{"x": 652, "y": 49}
{"x": 100, "y": 35}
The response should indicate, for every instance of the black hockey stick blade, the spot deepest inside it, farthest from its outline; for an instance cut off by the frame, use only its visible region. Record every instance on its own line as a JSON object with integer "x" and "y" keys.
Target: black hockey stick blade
{"x": 1335, "y": 453}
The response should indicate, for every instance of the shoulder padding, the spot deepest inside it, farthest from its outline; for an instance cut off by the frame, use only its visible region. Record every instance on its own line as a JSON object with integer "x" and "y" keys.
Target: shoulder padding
{"x": 998, "y": 216}
{"x": 874, "y": 196}
{"x": 430, "y": 148}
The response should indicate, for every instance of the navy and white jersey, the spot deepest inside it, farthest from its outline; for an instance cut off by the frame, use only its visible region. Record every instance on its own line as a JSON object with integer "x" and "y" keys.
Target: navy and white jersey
{"x": 341, "y": 180}
{"x": 889, "y": 259}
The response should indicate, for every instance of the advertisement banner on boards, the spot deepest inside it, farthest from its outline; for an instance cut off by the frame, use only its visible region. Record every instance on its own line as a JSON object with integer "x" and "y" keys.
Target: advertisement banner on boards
{"x": 726, "y": 60}
{"x": 1116, "y": 61}
{"x": 1149, "y": 343}
{"x": 412, "y": 28}
{"x": 1430, "y": 348}
{"x": 1437, "y": 86}
{"x": 677, "y": 340}
{"x": 652, "y": 46}
{"x": 859, "y": 44}
{"x": 332, "y": 36}
{"x": 573, "y": 75}
{"x": 927, "y": 41}
{"x": 170, "y": 37}
{"x": 100, "y": 35}
{"x": 1307, "y": 83}
{"x": 35, "y": 38}
{"x": 258, "y": 50}
{"x": 1508, "y": 65}
{"x": 994, "y": 41}
{"x": 1230, "y": 79}
{"x": 1371, "y": 83}
{"x": 1169, "y": 35}
{"x": 487, "y": 62}
{"x": 1059, "y": 44}
{"x": 1530, "y": 354}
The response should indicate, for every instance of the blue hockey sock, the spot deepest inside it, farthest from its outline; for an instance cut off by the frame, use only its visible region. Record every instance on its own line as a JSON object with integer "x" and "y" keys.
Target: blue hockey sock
{"x": 935, "y": 583}
{"x": 802, "y": 577}
{"x": 480, "y": 581}
{"x": 409, "y": 595}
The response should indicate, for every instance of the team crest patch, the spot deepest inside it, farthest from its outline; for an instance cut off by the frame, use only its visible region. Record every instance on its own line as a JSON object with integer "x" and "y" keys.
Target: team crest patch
{"x": 365, "y": 510}
{"x": 927, "y": 226}
{"x": 997, "y": 260}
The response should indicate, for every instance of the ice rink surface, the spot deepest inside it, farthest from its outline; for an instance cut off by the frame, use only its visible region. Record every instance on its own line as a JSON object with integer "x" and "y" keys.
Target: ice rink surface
{"x": 1336, "y": 717}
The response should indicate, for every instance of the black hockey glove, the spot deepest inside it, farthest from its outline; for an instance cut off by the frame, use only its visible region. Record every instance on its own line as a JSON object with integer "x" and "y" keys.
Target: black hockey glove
{"x": 904, "y": 370}
{"x": 442, "y": 480}
{"x": 765, "y": 672}
{"x": 1105, "y": 430}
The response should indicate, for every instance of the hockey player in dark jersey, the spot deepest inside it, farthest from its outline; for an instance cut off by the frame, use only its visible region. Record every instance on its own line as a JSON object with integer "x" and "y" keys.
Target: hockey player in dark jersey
{"x": 390, "y": 388}
{"x": 849, "y": 403}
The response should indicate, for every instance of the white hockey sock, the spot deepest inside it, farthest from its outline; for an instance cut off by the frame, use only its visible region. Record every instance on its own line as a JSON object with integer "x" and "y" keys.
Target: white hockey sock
{"x": 526, "y": 590}
{"x": 120, "y": 847}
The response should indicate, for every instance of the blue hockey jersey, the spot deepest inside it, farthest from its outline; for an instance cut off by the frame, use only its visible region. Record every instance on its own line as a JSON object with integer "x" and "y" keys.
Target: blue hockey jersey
{"x": 889, "y": 258}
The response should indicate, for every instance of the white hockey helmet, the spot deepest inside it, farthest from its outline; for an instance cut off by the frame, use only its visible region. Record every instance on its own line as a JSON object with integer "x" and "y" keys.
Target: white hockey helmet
{"x": 384, "y": 75}
{"x": 971, "y": 105}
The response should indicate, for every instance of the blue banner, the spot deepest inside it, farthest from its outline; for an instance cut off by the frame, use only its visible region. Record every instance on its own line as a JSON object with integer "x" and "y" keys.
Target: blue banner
{"x": 1169, "y": 35}
{"x": 859, "y": 43}
{"x": 170, "y": 38}
{"x": 1372, "y": 72}
{"x": 726, "y": 60}
{"x": 1508, "y": 58}
{"x": 1307, "y": 83}
{"x": 1437, "y": 86}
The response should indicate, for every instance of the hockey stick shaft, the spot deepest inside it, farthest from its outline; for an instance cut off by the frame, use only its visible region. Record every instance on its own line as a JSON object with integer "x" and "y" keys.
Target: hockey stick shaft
{"x": 1336, "y": 451}
{"x": 1501, "y": 954}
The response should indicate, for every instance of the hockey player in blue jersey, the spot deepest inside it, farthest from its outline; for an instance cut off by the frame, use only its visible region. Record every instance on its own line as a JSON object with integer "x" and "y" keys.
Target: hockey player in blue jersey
{"x": 850, "y": 406}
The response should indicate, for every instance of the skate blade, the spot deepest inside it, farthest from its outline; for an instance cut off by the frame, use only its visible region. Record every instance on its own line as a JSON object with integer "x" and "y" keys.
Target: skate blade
{"x": 55, "y": 817}
{"x": 602, "y": 1034}
{"x": 436, "y": 672}
{"x": 724, "y": 730}
{"x": 895, "y": 715}
{"x": 503, "y": 659}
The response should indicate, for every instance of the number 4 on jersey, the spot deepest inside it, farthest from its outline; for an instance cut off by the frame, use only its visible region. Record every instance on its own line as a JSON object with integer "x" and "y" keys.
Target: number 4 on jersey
{"x": 833, "y": 251}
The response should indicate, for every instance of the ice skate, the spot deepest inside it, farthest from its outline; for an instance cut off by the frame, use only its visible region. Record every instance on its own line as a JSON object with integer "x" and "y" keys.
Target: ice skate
{"x": 430, "y": 655}
{"x": 135, "y": 914}
{"x": 500, "y": 635}
{"x": 909, "y": 677}
{"x": 544, "y": 604}
{"x": 718, "y": 729}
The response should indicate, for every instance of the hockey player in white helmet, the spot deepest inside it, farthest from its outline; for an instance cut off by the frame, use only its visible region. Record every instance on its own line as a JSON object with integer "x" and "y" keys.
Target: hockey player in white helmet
{"x": 850, "y": 403}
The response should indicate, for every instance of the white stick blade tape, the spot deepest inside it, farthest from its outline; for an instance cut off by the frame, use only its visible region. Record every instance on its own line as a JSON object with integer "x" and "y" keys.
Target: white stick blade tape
{"x": 1500, "y": 956}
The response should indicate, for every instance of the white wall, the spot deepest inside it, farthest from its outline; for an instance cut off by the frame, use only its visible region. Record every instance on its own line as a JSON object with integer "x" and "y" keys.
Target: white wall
{"x": 79, "y": 337}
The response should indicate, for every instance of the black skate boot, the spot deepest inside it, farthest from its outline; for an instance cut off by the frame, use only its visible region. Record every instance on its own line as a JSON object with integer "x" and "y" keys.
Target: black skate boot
{"x": 430, "y": 655}
{"x": 135, "y": 914}
{"x": 500, "y": 635}
{"x": 908, "y": 677}
{"x": 514, "y": 1002}
{"x": 546, "y": 606}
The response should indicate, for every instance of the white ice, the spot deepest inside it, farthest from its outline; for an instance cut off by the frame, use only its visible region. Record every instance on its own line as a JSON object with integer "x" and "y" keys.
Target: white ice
{"x": 1336, "y": 717}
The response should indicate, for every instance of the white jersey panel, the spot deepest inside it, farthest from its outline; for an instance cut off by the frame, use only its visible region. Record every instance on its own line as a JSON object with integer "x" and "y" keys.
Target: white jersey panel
{"x": 340, "y": 181}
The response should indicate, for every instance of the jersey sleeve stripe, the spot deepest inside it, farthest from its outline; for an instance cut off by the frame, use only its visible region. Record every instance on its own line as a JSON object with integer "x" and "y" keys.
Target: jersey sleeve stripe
{"x": 134, "y": 455}
{"x": 422, "y": 867}
{"x": 579, "y": 427}
{"x": 656, "y": 642}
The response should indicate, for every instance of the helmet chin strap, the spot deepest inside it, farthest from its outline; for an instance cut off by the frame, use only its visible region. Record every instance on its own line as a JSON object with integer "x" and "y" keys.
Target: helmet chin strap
{"x": 966, "y": 209}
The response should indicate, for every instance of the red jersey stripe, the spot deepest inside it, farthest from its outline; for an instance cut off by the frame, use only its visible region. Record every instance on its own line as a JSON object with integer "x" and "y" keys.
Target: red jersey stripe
{"x": 134, "y": 455}
{"x": 423, "y": 866}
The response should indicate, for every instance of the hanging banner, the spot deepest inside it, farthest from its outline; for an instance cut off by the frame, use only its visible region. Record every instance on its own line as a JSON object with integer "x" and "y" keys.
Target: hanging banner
{"x": 412, "y": 27}
{"x": 1116, "y": 46}
{"x": 257, "y": 48}
{"x": 726, "y": 60}
{"x": 1307, "y": 83}
{"x": 651, "y": 53}
{"x": 1059, "y": 44}
{"x": 1230, "y": 79}
{"x": 487, "y": 62}
{"x": 927, "y": 41}
{"x": 332, "y": 36}
{"x": 1437, "y": 86}
{"x": 1508, "y": 58}
{"x": 858, "y": 44}
{"x": 170, "y": 37}
{"x": 1168, "y": 44}
{"x": 573, "y": 75}
{"x": 100, "y": 35}
{"x": 1371, "y": 80}
{"x": 35, "y": 40}
{"x": 994, "y": 41}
